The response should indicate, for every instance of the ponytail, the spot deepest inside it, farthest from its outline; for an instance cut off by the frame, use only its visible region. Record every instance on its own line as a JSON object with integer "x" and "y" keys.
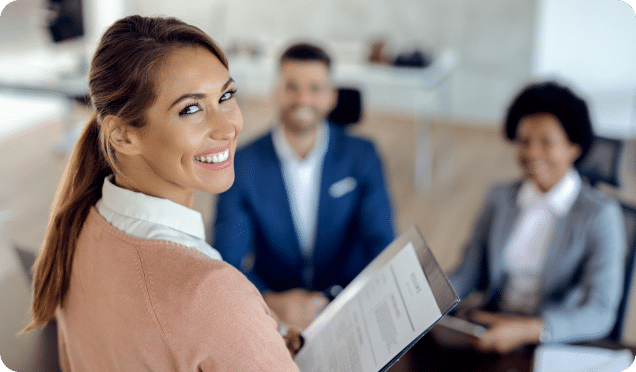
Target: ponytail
{"x": 79, "y": 189}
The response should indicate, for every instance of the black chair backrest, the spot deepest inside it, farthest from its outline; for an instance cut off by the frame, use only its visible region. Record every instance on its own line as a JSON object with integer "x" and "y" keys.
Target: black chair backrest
{"x": 47, "y": 358}
{"x": 348, "y": 110}
{"x": 629, "y": 213}
{"x": 602, "y": 161}
{"x": 27, "y": 259}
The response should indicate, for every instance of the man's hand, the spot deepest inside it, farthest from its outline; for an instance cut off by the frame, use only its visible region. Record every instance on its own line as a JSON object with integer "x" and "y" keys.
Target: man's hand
{"x": 293, "y": 340}
{"x": 506, "y": 333}
{"x": 296, "y": 307}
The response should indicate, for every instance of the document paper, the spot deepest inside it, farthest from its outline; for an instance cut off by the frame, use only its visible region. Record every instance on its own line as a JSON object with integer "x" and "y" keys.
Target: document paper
{"x": 382, "y": 312}
{"x": 575, "y": 358}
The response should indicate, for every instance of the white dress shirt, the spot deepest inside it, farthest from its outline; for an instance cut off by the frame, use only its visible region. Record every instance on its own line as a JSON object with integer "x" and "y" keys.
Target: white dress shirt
{"x": 302, "y": 181}
{"x": 148, "y": 217}
{"x": 527, "y": 246}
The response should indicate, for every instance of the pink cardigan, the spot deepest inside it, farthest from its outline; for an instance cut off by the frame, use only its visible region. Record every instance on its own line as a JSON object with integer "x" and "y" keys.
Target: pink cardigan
{"x": 150, "y": 305}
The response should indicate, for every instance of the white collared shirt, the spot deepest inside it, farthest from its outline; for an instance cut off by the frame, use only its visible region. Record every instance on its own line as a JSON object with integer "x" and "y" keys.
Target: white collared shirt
{"x": 149, "y": 217}
{"x": 302, "y": 181}
{"x": 527, "y": 246}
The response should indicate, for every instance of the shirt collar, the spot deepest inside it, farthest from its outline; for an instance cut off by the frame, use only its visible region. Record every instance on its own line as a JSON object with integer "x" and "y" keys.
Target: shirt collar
{"x": 152, "y": 209}
{"x": 558, "y": 199}
{"x": 286, "y": 153}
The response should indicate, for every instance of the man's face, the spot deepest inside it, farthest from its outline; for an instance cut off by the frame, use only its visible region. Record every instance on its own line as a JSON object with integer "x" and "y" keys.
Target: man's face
{"x": 304, "y": 94}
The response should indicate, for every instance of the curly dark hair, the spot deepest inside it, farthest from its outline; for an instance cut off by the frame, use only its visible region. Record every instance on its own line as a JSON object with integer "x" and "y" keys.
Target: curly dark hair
{"x": 552, "y": 98}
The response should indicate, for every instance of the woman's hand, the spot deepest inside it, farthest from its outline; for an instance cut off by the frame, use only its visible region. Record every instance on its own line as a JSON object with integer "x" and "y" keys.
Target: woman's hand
{"x": 506, "y": 333}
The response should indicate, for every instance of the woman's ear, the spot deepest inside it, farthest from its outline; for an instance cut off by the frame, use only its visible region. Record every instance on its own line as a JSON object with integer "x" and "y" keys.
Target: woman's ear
{"x": 121, "y": 137}
{"x": 575, "y": 151}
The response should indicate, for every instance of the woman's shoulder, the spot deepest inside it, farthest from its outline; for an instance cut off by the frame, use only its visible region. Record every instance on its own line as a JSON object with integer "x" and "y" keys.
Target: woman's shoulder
{"x": 592, "y": 202}
{"x": 210, "y": 312}
{"x": 165, "y": 265}
{"x": 170, "y": 266}
{"x": 591, "y": 199}
{"x": 503, "y": 192}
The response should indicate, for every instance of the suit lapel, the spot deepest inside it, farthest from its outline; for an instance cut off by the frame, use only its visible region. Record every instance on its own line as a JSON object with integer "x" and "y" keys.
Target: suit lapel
{"x": 326, "y": 206}
{"x": 506, "y": 216}
{"x": 556, "y": 252}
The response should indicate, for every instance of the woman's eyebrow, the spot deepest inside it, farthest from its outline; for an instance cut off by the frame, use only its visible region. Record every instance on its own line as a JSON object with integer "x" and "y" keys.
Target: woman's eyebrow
{"x": 188, "y": 95}
{"x": 199, "y": 95}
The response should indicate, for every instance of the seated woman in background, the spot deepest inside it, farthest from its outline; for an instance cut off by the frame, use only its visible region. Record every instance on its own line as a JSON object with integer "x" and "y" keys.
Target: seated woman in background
{"x": 547, "y": 251}
{"x": 125, "y": 268}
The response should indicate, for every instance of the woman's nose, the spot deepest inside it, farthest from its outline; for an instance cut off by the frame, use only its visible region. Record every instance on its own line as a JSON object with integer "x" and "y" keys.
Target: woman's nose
{"x": 534, "y": 150}
{"x": 222, "y": 126}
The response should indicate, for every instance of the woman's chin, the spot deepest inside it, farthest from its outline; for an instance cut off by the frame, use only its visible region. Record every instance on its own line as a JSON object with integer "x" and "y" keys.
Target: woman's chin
{"x": 543, "y": 184}
{"x": 535, "y": 178}
{"x": 219, "y": 185}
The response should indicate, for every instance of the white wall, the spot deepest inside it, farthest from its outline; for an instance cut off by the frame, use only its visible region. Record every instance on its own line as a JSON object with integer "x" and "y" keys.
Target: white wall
{"x": 591, "y": 45}
{"x": 274, "y": 22}
{"x": 501, "y": 44}
{"x": 26, "y": 16}
{"x": 493, "y": 39}
{"x": 99, "y": 15}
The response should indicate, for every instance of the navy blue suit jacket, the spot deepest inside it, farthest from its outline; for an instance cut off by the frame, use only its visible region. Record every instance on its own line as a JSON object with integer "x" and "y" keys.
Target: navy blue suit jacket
{"x": 254, "y": 230}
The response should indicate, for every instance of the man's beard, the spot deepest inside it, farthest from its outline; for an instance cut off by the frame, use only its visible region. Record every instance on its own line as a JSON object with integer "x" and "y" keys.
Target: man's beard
{"x": 301, "y": 119}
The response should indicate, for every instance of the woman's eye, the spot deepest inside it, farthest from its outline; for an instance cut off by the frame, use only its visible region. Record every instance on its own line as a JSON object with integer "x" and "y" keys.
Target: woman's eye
{"x": 227, "y": 95}
{"x": 190, "y": 109}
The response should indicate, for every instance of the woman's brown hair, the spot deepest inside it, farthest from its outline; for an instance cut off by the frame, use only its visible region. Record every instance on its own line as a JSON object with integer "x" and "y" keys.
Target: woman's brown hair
{"x": 122, "y": 83}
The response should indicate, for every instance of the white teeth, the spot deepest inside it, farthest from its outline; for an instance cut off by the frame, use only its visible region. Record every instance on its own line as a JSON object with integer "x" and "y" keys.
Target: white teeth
{"x": 304, "y": 113}
{"x": 214, "y": 158}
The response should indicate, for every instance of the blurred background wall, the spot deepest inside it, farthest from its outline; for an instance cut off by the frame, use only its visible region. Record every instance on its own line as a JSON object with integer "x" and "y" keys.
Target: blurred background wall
{"x": 500, "y": 44}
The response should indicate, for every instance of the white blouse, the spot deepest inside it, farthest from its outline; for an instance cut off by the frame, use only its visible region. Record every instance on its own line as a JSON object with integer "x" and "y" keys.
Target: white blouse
{"x": 149, "y": 217}
{"x": 529, "y": 241}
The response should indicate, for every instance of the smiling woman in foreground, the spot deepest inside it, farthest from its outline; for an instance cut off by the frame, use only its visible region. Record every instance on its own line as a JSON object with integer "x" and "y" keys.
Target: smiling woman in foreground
{"x": 125, "y": 268}
{"x": 547, "y": 250}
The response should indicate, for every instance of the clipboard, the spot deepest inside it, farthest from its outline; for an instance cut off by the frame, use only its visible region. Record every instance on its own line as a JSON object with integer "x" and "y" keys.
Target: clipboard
{"x": 382, "y": 313}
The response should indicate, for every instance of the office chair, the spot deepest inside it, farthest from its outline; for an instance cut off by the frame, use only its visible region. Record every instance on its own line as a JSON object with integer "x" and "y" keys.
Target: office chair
{"x": 27, "y": 259}
{"x": 348, "y": 110}
{"x": 47, "y": 352}
{"x": 629, "y": 214}
{"x": 602, "y": 161}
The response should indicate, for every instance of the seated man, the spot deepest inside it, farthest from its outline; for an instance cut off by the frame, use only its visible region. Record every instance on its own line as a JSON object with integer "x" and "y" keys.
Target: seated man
{"x": 309, "y": 208}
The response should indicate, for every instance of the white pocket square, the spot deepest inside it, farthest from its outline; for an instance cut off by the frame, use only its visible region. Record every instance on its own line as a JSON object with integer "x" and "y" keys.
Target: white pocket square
{"x": 340, "y": 188}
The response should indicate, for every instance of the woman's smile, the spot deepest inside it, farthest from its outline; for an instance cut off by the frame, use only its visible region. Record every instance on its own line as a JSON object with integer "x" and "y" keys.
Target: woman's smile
{"x": 214, "y": 157}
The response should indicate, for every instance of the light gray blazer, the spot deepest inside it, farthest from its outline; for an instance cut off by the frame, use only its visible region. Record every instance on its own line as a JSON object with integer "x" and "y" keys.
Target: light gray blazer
{"x": 581, "y": 284}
